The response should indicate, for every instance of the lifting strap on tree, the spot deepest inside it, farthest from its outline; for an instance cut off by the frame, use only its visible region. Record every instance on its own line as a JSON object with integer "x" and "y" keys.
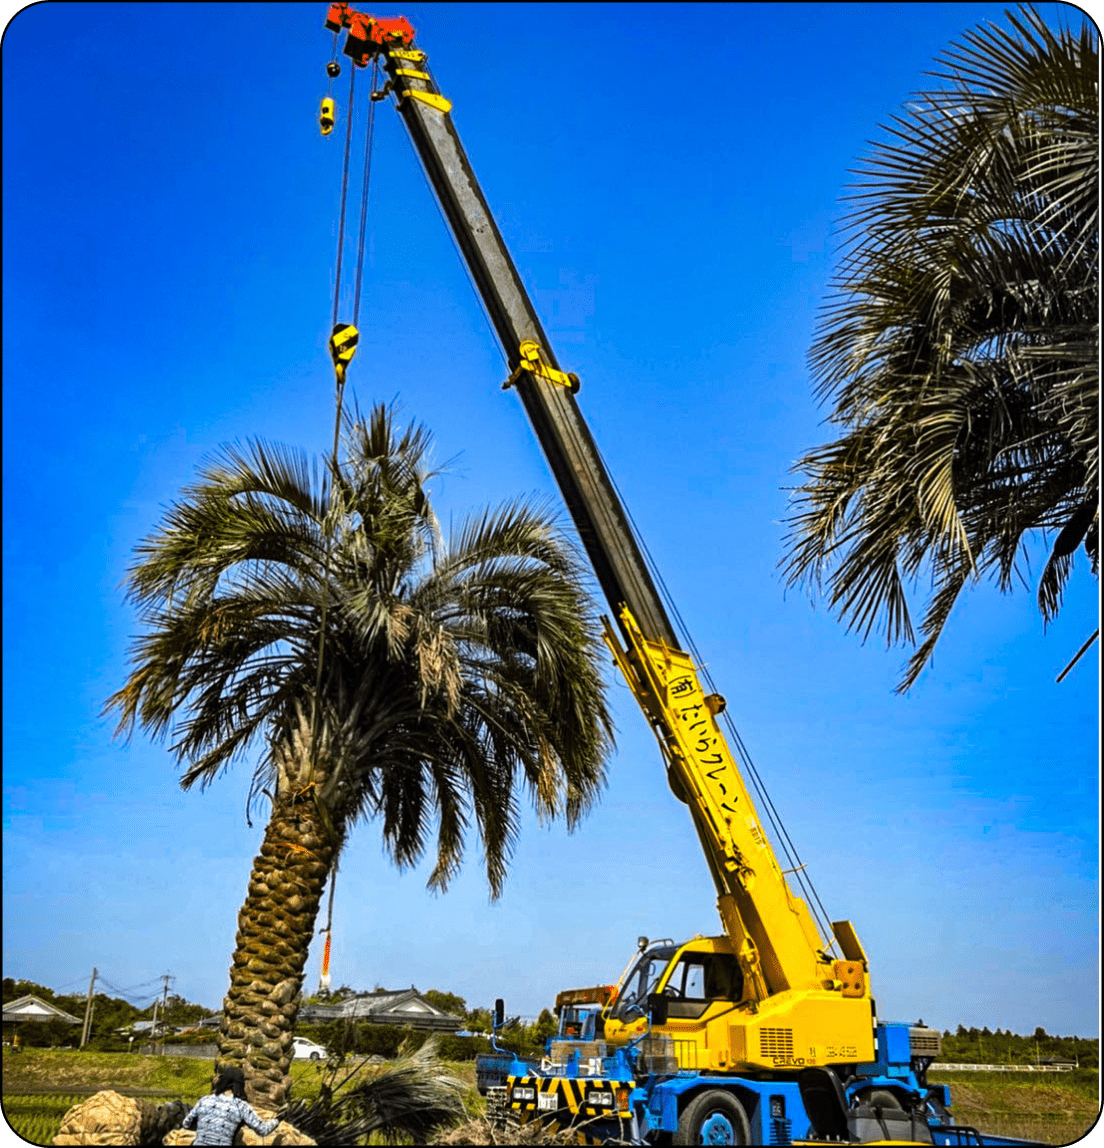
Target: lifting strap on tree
{"x": 324, "y": 979}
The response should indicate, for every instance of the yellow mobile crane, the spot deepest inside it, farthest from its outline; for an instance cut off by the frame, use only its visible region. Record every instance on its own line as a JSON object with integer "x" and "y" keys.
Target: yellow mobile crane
{"x": 708, "y": 1038}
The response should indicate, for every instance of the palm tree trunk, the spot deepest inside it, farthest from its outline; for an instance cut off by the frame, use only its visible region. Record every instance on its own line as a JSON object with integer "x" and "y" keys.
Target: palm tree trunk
{"x": 275, "y": 928}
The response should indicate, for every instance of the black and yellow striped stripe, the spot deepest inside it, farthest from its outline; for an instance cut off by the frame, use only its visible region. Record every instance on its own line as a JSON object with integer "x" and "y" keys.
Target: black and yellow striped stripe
{"x": 575, "y": 1095}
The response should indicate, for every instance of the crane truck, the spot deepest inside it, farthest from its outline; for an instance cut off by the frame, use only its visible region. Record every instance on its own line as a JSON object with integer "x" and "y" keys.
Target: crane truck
{"x": 766, "y": 1032}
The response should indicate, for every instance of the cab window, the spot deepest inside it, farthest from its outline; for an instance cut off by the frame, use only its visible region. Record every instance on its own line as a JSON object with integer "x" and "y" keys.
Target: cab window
{"x": 698, "y": 979}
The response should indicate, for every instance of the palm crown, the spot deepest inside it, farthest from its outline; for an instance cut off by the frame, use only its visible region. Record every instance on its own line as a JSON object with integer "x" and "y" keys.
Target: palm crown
{"x": 378, "y": 671}
{"x": 448, "y": 669}
{"x": 960, "y": 346}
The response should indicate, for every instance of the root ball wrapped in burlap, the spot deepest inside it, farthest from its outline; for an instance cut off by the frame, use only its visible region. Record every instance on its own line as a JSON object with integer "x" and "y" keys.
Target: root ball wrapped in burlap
{"x": 104, "y": 1118}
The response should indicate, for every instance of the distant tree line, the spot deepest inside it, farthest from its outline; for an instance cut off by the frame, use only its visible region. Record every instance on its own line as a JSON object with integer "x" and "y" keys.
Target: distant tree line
{"x": 108, "y": 1015}
{"x": 981, "y": 1046}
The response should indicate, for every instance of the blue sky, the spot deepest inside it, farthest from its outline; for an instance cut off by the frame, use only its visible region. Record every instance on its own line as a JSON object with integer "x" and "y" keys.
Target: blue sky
{"x": 169, "y": 223}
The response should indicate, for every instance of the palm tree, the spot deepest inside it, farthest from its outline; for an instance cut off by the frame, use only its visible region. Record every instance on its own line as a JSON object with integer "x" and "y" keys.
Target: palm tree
{"x": 960, "y": 343}
{"x": 450, "y": 674}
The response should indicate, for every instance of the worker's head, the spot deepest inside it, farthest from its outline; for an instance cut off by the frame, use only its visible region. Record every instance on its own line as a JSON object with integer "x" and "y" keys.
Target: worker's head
{"x": 230, "y": 1079}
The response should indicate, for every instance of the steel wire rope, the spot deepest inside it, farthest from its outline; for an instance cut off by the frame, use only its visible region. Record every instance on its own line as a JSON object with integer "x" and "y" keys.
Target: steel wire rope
{"x": 339, "y": 393}
{"x": 131, "y": 989}
{"x": 365, "y": 181}
{"x": 76, "y": 981}
{"x": 338, "y": 406}
{"x": 341, "y": 390}
{"x": 344, "y": 195}
{"x": 131, "y": 997}
{"x": 788, "y": 848}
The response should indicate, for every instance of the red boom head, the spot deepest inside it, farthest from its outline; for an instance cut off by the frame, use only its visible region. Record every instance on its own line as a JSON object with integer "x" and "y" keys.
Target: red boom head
{"x": 368, "y": 34}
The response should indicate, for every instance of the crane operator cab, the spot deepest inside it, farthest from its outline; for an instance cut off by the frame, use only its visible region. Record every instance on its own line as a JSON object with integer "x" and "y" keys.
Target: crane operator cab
{"x": 679, "y": 990}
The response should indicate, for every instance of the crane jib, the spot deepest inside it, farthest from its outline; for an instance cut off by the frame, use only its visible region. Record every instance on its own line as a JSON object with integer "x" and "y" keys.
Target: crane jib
{"x": 799, "y": 1006}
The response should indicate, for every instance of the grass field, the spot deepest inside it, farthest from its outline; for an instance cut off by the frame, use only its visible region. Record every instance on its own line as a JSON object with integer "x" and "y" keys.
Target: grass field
{"x": 1050, "y": 1109}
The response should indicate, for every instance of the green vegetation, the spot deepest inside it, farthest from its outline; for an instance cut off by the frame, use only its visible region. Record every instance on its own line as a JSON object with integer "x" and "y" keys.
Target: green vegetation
{"x": 960, "y": 344}
{"x": 382, "y": 671}
{"x": 38, "y": 1118}
{"x": 36, "y": 1114}
{"x": 980, "y": 1046}
{"x": 1056, "y": 1108}
{"x": 1052, "y": 1108}
{"x": 108, "y": 1015}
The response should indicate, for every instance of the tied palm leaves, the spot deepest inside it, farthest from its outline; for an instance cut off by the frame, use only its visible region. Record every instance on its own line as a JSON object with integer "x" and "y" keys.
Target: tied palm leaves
{"x": 412, "y": 1097}
{"x": 453, "y": 674}
{"x": 960, "y": 345}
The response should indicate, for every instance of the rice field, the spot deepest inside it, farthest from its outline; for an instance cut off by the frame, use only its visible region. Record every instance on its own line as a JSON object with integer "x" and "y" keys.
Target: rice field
{"x": 37, "y": 1116}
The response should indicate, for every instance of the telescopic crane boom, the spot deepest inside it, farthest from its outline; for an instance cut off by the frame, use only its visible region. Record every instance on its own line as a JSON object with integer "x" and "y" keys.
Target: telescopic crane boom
{"x": 792, "y": 1003}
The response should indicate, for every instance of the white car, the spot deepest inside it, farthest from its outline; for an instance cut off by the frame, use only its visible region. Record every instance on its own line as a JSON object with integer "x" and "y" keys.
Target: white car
{"x": 303, "y": 1049}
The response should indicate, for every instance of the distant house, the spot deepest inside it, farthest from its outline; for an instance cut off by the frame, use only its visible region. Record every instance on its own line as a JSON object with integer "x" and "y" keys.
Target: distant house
{"x": 401, "y": 1007}
{"x": 138, "y": 1027}
{"x": 32, "y": 1008}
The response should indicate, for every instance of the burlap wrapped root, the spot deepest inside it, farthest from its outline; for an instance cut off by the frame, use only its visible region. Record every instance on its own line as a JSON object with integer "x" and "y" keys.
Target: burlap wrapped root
{"x": 110, "y": 1118}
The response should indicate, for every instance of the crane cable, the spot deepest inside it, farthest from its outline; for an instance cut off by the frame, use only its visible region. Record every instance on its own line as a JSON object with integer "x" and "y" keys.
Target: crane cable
{"x": 344, "y": 194}
{"x": 342, "y": 354}
{"x": 796, "y": 865}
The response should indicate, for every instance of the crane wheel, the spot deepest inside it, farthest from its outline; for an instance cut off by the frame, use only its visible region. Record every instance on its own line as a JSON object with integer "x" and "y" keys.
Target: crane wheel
{"x": 713, "y": 1117}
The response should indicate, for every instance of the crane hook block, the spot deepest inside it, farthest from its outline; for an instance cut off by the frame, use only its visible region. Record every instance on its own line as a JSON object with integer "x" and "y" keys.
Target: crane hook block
{"x": 326, "y": 116}
{"x": 343, "y": 345}
{"x": 333, "y": 69}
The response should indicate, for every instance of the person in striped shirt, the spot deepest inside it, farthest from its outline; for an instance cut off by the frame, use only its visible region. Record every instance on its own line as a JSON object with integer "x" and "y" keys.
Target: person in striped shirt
{"x": 218, "y": 1116}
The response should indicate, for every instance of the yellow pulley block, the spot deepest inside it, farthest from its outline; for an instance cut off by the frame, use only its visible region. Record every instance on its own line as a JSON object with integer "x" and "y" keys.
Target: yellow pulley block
{"x": 343, "y": 345}
{"x": 326, "y": 116}
{"x": 532, "y": 360}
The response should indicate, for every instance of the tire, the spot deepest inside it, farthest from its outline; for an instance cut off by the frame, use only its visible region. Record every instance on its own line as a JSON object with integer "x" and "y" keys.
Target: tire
{"x": 316, "y": 1056}
{"x": 880, "y": 1098}
{"x": 713, "y": 1117}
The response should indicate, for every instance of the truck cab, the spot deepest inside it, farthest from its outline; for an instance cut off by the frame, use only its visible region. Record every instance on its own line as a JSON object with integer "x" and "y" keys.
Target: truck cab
{"x": 699, "y": 986}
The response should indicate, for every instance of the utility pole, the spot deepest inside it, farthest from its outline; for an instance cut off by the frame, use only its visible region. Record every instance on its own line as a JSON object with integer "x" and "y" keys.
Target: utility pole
{"x": 88, "y": 1011}
{"x": 165, "y": 1000}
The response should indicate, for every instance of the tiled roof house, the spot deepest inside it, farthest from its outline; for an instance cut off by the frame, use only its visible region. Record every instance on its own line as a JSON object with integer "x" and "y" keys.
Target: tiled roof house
{"x": 32, "y": 1008}
{"x": 404, "y": 1007}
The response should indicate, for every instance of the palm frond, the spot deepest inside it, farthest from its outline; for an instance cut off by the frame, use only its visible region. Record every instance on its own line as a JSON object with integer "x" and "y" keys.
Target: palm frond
{"x": 412, "y": 1097}
{"x": 959, "y": 345}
